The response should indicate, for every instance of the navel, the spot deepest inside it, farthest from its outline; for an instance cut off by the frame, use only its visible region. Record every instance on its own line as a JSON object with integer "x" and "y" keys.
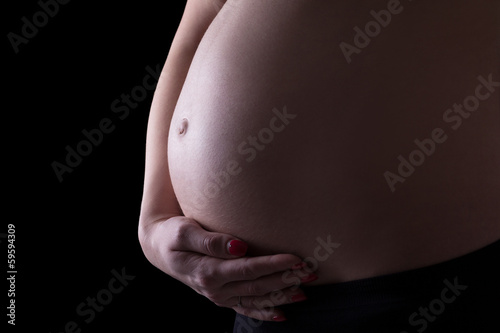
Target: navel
{"x": 183, "y": 126}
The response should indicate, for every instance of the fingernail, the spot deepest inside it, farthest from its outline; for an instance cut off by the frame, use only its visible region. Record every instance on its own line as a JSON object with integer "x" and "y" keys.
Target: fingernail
{"x": 299, "y": 265}
{"x": 298, "y": 298}
{"x": 309, "y": 278}
{"x": 279, "y": 318}
{"x": 237, "y": 247}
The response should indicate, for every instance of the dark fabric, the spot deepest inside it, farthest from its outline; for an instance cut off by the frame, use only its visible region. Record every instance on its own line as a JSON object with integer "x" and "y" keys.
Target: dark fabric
{"x": 460, "y": 295}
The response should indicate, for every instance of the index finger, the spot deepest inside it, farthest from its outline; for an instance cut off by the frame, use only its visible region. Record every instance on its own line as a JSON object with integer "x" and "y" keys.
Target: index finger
{"x": 251, "y": 268}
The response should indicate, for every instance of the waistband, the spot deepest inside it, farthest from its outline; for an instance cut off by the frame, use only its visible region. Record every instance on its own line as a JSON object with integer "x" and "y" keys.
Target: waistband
{"x": 458, "y": 295}
{"x": 478, "y": 267}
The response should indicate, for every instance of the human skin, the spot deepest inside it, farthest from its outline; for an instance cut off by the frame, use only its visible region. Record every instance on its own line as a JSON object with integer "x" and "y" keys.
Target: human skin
{"x": 322, "y": 174}
{"x": 178, "y": 245}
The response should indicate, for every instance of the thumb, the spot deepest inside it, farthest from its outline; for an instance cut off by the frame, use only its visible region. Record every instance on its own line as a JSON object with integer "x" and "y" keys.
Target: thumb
{"x": 214, "y": 244}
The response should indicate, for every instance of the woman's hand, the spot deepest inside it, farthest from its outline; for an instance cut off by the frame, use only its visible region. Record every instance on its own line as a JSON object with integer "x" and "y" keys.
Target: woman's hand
{"x": 213, "y": 265}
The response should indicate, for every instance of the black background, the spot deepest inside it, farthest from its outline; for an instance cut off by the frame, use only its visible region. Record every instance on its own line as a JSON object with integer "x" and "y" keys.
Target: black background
{"x": 70, "y": 235}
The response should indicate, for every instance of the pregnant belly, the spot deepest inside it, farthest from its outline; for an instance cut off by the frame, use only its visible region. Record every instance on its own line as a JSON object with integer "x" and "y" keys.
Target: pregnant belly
{"x": 276, "y": 139}
{"x": 256, "y": 139}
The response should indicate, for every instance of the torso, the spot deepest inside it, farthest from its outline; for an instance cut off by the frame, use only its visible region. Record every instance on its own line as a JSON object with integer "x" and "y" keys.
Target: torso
{"x": 317, "y": 170}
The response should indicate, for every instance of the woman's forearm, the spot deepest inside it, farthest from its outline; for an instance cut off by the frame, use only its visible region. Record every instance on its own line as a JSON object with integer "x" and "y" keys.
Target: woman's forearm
{"x": 159, "y": 202}
{"x": 158, "y": 197}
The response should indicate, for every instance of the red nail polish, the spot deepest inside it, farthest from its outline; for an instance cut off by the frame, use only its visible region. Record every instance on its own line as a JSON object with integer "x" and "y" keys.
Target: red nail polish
{"x": 298, "y": 298}
{"x": 309, "y": 278}
{"x": 237, "y": 247}
{"x": 279, "y": 318}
